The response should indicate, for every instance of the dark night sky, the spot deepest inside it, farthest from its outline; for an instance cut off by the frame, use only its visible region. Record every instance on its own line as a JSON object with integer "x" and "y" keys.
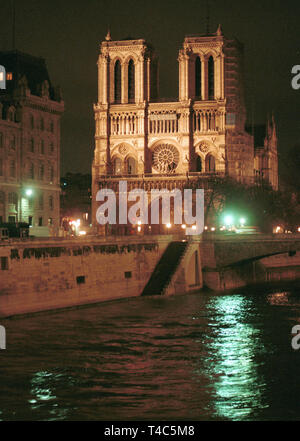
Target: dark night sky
{"x": 67, "y": 34}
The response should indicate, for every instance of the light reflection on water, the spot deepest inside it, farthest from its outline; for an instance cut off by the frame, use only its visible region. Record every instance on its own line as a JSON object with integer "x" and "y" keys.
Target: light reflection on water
{"x": 233, "y": 347}
{"x": 193, "y": 357}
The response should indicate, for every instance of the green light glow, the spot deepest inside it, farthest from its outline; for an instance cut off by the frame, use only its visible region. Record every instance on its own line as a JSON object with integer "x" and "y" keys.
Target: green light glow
{"x": 232, "y": 366}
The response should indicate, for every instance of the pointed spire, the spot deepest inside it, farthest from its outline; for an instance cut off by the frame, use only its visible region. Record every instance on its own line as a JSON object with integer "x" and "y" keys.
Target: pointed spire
{"x": 273, "y": 126}
{"x": 269, "y": 129}
{"x": 219, "y": 30}
{"x": 108, "y": 36}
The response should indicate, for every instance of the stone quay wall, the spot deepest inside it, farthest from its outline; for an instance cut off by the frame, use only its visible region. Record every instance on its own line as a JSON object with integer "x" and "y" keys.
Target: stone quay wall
{"x": 45, "y": 274}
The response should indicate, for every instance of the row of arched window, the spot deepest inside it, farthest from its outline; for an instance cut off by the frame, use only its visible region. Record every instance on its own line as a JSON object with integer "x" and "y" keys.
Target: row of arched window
{"x": 129, "y": 166}
{"x": 210, "y": 91}
{"x": 206, "y": 166}
{"x": 118, "y": 81}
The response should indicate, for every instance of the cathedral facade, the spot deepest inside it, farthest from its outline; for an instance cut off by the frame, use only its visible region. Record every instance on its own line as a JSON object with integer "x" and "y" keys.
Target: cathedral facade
{"x": 154, "y": 143}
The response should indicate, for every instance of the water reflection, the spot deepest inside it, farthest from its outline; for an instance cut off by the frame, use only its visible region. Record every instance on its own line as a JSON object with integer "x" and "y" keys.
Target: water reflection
{"x": 232, "y": 364}
{"x": 196, "y": 357}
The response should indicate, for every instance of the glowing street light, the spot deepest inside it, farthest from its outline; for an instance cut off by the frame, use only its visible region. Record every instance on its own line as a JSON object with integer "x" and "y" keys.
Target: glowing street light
{"x": 242, "y": 221}
{"x": 228, "y": 220}
{"x": 28, "y": 192}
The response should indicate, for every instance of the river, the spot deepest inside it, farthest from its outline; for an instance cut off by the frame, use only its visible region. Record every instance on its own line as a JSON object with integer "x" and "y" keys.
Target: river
{"x": 194, "y": 357}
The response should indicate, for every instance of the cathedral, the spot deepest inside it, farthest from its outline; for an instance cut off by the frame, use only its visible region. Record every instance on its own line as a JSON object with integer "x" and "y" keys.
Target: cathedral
{"x": 154, "y": 143}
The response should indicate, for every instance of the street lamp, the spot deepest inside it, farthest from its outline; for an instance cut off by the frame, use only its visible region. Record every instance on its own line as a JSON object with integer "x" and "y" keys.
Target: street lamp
{"x": 242, "y": 221}
{"x": 228, "y": 220}
{"x": 28, "y": 192}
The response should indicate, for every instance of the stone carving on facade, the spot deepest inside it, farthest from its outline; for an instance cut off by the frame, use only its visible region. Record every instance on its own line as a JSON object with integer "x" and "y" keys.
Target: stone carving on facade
{"x": 165, "y": 158}
{"x": 204, "y": 147}
{"x": 123, "y": 149}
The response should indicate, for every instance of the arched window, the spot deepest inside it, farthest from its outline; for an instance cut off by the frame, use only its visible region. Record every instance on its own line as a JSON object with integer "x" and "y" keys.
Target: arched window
{"x": 117, "y": 82}
{"x": 210, "y": 164}
{"x": 199, "y": 164}
{"x": 211, "y": 79}
{"x": 131, "y": 166}
{"x": 198, "y": 77}
{"x": 117, "y": 166}
{"x": 131, "y": 81}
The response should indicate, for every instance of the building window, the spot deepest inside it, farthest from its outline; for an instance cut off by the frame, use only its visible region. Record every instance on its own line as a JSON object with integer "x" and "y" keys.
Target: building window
{"x": 1, "y": 140}
{"x": 31, "y": 146}
{"x": 80, "y": 280}
{"x": 51, "y": 173}
{"x": 199, "y": 164}
{"x": 10, "y": 115}
{"x": 13, "y": 142}
{"x": 117, "y": 166}
{"x": 13, "y": 198}
{"x": 12, "y": 169}
{"x": 31, "y": 171}
{"x": 198, "y": 78}
{"x": 51, "y": 205}
{"x": 51, "y": 126}
{"x": 210, "y": 164}
{"x": 9, "y": 76}
{"x": 211, "y": 79}
{"x": 51, "y": 147}
{"x": 118, "y": 88}
{"x": 4, "y": 263}
{"x": 40, "y": 221}
{"x": 30, "y": 220}
{"x": 131, "y": 166}
{"x": 131, "y": 81}
{"x": 1, "y": 167}
{"x": 41, "y": 201}
{"x": 42, "y": 172}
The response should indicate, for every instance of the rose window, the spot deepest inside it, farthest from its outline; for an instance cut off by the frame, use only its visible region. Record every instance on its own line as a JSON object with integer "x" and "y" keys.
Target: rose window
{"x": 165, "y": 158}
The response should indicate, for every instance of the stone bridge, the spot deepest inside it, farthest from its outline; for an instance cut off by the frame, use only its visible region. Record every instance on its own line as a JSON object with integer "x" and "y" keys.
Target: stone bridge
{"x": 236, "y": 260}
